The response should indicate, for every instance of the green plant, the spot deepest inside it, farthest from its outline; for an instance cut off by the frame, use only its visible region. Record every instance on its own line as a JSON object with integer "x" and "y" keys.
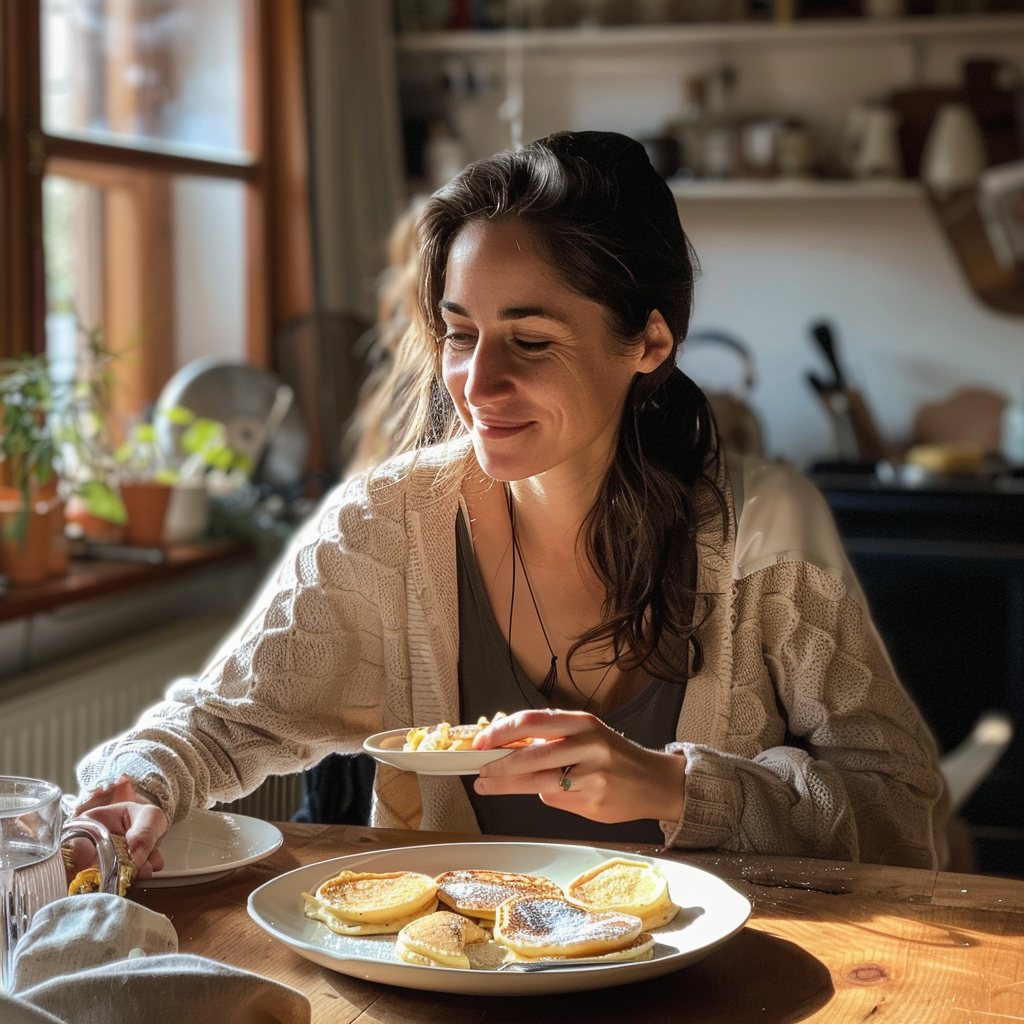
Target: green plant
{"x": 201, "y": 445}
{"x": 27, "y": 429}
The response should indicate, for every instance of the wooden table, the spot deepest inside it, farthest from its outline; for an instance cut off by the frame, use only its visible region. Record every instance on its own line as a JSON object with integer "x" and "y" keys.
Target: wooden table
{"x": 827, "y": 941}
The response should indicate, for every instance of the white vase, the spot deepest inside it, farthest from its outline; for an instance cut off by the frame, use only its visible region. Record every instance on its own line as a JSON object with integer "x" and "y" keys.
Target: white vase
{"x": 954, "y": 151}
{"x": 188, "y": 515}
{"x": 872, "y": 142}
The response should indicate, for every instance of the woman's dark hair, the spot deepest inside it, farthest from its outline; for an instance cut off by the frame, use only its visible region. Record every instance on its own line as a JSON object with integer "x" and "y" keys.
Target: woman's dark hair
{"x": 608, "y": 224}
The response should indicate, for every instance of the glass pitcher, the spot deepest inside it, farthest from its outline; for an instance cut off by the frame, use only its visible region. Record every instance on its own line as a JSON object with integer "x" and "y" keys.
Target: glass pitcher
{"x": 33, "y": 828}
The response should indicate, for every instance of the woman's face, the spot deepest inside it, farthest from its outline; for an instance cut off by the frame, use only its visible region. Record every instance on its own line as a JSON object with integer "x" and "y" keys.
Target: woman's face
{"x": 537, "y": 378}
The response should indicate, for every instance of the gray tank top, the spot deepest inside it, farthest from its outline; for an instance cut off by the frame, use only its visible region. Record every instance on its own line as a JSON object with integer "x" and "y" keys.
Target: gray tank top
{"x": 487, "y": 684}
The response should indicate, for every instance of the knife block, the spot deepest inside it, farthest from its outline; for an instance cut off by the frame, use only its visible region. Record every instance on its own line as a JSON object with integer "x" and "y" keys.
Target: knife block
{"x": 857, "y": 437}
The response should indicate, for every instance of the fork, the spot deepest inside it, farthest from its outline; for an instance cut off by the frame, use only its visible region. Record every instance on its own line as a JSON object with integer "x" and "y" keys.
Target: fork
{"x": 530, "y": 966}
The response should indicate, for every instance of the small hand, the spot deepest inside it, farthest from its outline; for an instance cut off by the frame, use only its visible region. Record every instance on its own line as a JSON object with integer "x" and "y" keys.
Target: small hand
{"x": 124, "y": 811}
{"x": 612, "y": 778}
{"x": 143, "y": 825}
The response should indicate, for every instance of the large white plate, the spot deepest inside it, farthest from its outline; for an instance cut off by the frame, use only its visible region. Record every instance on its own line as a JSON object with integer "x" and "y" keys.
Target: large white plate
{"x": 387, "y": 747}
{"x": 711, "y": 912}
{"x": 209, "y": 844}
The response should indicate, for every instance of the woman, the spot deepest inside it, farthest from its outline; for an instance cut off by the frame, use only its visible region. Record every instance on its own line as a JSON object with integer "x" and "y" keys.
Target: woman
{"x": 562, "y": 540}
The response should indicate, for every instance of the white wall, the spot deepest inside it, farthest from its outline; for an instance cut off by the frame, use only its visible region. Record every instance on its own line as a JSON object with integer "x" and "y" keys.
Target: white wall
{"x": 907, "y": 325}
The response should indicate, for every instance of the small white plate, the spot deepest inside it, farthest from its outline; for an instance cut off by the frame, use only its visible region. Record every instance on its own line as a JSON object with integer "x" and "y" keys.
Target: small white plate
{"x": 387, "y": 748}
{"x": 209, "y": 844}
{"x": 712, "y": 912}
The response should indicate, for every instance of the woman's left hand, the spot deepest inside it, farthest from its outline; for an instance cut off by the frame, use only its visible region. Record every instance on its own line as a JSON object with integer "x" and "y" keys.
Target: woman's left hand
{"x": 610, "y": 778}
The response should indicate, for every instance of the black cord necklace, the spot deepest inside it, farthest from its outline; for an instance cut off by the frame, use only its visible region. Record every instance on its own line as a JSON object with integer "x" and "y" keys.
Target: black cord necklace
{"x": 547, "y": 687}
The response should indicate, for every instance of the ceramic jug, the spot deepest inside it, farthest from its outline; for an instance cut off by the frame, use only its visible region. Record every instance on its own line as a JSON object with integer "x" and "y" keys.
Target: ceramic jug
{"x": 33, "y": 827}
{"x": 872, "y": 143}
{"x": 954, "y": 151}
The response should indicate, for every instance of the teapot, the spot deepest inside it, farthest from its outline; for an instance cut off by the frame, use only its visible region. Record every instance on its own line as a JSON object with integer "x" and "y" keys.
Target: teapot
{"x": 34, "y": 827}
{"x": 737, "y": 425}
{"x": 871, "y": 143}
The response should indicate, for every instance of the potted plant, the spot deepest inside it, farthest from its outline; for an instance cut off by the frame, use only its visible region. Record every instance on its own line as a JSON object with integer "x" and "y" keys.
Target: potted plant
{"x": 165, "y": 494}
{"x": 32, "y": 546}
{"x": 94, "y": 505}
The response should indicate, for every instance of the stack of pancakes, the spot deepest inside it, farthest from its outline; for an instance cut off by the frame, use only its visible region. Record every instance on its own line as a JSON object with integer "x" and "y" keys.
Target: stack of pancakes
{"x": 605, "y": 913}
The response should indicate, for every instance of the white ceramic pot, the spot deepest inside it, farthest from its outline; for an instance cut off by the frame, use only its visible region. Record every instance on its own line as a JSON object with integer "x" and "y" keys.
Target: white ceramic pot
{"x": 872, "y": 142}
{"x": 188, "y": 516}
{"x": 954, "y": 152}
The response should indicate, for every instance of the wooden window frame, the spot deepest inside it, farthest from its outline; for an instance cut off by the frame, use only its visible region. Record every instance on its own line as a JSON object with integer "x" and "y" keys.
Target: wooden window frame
{"x": 279, "y": 258}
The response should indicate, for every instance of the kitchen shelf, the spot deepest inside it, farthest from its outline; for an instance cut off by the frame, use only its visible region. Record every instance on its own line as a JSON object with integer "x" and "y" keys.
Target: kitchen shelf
{"x": 799, "y": 190}
{"x": 823, "y": 30}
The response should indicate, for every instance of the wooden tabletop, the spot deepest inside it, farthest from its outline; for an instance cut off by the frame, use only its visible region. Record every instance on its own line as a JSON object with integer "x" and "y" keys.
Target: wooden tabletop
{"x": 827, "y": 941}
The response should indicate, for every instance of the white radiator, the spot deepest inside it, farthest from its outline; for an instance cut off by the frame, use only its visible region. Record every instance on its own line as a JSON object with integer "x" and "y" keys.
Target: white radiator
{"x": 51, "y": 717}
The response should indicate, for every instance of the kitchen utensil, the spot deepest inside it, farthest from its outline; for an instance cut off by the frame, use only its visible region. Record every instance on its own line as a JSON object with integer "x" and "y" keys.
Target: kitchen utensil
{"x": 739, "y": 429}
{"x": 857, "y": 437}
{"x": 532, "y": 966}
{"x": 33, "y": 826}
{"x": 954, "y": 152}
{"x": 871, "y": 143}
{"x": 247, "y": 400}
{"x": 822, "y": 334}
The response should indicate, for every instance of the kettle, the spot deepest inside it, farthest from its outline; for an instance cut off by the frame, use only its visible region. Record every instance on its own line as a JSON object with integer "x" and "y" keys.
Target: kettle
{"x": 738, "y": 428}
{"x": 871, "y": 143}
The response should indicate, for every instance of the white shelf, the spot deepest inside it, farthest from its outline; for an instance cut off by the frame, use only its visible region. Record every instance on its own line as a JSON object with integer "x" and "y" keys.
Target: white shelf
{"x": 675, "y": 35}
{"x": 702, "y": 190}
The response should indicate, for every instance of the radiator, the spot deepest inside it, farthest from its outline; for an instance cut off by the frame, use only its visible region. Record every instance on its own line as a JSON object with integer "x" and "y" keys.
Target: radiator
{"x": 51, "y": 717}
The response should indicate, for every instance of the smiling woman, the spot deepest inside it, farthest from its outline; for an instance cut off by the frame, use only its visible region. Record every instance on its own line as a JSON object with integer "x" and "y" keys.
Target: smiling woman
{"x": 680, "y": 637}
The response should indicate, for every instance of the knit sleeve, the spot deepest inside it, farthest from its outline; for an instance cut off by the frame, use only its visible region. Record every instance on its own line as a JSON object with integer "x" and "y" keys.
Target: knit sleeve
{"x": 301, "y": 677}
{"x": 826, "y": 755}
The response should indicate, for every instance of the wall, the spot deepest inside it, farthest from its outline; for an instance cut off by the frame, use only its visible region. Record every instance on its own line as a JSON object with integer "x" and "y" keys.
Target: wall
{"x": 909, "y": 329}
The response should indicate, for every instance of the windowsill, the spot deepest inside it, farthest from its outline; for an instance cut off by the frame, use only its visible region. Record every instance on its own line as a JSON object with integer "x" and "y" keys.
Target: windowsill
{"x": 91, "y": 578}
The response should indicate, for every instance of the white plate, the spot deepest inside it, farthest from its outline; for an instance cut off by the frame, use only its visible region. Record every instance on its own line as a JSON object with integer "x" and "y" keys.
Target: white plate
{"x": 387, "y": 747}
{"x": 711, "y": 913}
{"x": 208, "y": 845}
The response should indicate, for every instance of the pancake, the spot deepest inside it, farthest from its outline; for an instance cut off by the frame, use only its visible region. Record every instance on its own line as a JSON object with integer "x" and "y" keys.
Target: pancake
{"x": 626, "y": 886}
{"x": 371, "y": 903}
{"x": 439, "y": 940}
{"x": 641, "y": 948}
{"x": 537, "y": 927}
{"x": 478, "y": 892}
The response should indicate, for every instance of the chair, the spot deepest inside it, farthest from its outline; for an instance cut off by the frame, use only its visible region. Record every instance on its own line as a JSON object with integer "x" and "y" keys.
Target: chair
{"x": 967, "y": 765}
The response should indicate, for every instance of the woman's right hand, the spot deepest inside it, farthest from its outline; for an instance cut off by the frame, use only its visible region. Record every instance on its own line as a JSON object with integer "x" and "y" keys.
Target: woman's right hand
{"x": 123, "y": 811}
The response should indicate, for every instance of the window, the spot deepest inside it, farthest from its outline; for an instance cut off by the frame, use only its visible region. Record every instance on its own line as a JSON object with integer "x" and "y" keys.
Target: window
{"x": 147, "y": 174}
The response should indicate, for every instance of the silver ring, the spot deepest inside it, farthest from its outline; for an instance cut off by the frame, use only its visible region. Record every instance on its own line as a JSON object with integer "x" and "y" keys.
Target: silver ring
{"x": 565, "y": 782}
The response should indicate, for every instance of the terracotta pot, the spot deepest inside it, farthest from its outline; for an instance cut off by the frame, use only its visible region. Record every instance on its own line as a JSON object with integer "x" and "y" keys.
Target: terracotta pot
{"x": 146, "y": 504}
{"x": 43, "y": 552}
{"x": 91, "y": 527}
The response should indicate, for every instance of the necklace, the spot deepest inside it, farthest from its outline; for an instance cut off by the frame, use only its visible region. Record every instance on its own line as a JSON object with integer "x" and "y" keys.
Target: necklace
{"x": 547, "y": 687}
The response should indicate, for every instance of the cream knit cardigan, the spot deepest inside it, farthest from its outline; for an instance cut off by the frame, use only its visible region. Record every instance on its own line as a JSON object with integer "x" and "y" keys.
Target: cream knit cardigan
{"x": 798, "y": 738}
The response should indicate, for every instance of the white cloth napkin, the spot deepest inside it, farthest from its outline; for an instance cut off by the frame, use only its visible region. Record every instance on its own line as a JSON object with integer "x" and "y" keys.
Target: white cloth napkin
{"x": 101, "y": 959}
